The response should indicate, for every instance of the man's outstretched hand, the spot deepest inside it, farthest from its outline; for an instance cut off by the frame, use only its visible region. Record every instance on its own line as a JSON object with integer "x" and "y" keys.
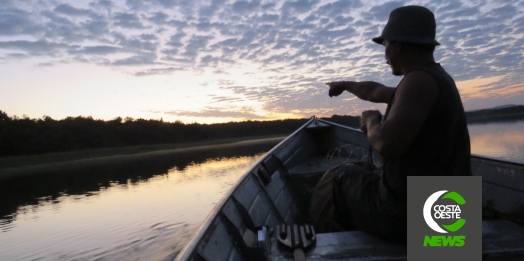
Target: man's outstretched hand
{"x": 336, "y": 88}
{"x": 367, "y": 91}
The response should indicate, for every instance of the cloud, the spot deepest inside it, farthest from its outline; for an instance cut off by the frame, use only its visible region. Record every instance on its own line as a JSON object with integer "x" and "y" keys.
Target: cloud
{"x": 381, "y": 12}
{"x": 148, "y": 37}
{"x": 217, "y": 112}
{"x": 337, "y": 8}
{"x": 245, "y": 6}
{"x": 127, "y": 20}
{"x": 172, "y": 3}
{"x": 212, "y": 9}
{"x": 141, "y": 59}
{"x": 268, "y": 18}
{"x": 286, "y": 40}
{"x": 196, "y": 44}
{"x": 138, "y": 44}
{"x": 106, "y": 4}
{"x": 225, "y": 99}
{"x": 96, "y": 28}
{"x": 300, "y": 6}
{"x": 41, "y": 47}
{"x": 158, "y": 71}
{"x": 209, "y": 60}
{"x": 17, "y": 22}
{"x": 158, "y": 18}
{"x": 176, "y": 39}
{"x": 507, "y": 10}
{"x": 73, "y": 11}
{"x": 99, "y": 50}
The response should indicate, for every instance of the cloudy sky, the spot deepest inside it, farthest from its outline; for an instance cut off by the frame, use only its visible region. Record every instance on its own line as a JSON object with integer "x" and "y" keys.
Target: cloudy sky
{"x": 231, "y": 60}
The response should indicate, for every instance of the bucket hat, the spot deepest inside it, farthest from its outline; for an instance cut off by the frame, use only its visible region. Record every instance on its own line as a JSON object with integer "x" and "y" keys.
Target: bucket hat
{"x": 412, "y": 24}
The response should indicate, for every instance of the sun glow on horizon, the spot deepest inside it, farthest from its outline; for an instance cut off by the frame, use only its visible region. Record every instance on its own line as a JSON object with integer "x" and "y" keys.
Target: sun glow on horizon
{"x": 469, "y": 89}
{"x": 210, "y": 62}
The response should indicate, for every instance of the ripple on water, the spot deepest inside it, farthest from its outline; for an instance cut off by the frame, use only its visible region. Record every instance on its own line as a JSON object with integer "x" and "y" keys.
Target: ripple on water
{"x": 150, "y": 218}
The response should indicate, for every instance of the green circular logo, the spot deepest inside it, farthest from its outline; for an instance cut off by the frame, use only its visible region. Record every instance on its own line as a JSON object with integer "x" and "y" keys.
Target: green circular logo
{"x": 444, "y": 212}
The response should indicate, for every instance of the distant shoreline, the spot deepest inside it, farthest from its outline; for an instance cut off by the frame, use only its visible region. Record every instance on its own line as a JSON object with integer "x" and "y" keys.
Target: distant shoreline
{"x": 514, "y": 113}
{"x": 50, "y": 162}
{"x": 502, "y": 117}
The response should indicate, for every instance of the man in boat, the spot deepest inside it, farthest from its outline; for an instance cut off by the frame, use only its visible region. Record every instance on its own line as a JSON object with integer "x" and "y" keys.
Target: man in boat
{"x": 423, "y": 133}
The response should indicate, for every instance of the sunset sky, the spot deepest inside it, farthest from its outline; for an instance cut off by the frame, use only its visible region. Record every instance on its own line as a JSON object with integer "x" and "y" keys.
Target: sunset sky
{"x": 232, "y": 60}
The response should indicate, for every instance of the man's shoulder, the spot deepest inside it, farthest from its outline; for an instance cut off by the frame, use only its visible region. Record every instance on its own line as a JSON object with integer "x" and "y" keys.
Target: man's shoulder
{"x": 419, "y": 80}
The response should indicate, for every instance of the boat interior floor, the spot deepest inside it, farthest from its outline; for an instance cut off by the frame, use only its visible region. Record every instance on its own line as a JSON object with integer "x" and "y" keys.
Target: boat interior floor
{"x": 502, "y": 239}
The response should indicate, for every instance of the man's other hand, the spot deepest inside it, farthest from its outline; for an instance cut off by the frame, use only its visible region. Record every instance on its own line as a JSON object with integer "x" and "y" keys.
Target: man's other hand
{"x": 369, "y": 118}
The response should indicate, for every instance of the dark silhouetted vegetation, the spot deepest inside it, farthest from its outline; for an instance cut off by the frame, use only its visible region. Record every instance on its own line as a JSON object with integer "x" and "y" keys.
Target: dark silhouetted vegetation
{"x": 88, "y": 178}
{"x": 25, "y": 136}
{"x": 497, "y": 114}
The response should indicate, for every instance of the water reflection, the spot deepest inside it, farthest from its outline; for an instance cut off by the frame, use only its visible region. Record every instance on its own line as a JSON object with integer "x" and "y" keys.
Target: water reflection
{"x": 503, "y": 140}
{"x": 148, "y": 207}
{"x": 145, "y": 209}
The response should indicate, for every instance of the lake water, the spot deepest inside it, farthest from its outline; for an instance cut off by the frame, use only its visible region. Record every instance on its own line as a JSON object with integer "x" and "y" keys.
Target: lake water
{"x": 150, "y": 211}
{"x": 146, "y": 212}
{"x": 501, "y": 140}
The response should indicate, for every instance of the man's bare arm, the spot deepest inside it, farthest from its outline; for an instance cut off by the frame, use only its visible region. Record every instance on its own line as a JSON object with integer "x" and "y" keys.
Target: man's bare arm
{"x": 368, "y": 91}
{"x": 414, "y": 100}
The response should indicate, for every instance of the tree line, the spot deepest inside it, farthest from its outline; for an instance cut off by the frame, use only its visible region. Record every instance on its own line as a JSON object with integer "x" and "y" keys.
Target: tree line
{"x": 25, "y": 136}
{"x": 500, "y": 114}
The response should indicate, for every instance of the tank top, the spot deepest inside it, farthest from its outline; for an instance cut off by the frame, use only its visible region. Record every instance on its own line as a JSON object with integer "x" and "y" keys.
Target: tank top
{"x": 442, "y": 148}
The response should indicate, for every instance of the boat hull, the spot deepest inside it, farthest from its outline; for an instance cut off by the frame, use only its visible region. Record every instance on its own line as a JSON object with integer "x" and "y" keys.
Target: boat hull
{"x": 277, "y": 190}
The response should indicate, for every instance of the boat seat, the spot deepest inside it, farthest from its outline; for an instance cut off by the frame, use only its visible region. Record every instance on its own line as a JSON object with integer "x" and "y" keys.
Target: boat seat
{"x": 501, "y": 240}
{"x": 344, "y": 245}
